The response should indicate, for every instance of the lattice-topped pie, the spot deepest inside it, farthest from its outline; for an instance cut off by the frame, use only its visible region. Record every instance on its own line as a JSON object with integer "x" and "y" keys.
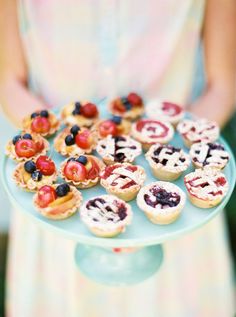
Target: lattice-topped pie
{"x": 206, "y": 187}
{"x": 165, "y": 110}
{"x": 167, "y": 162}
{"x": 162, "y": 202}
{"x": 202, "y": 130}
{"x": 123, "y": 180}
{"x": 122, "y": 149}
{"x": 84, "y": 114}
{"x": 209, "y": 154}
{"x": 114, "y": 126}
{"x": 106, "y": 216}
{"x": 149, "y": 132}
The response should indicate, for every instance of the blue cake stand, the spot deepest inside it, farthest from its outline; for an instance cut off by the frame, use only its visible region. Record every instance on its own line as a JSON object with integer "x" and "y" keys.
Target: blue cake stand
{"x": 135, "y": 254}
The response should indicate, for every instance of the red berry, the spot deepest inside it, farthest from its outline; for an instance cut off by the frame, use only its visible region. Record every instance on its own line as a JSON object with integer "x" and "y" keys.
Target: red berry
{"x": 107, "y": 127}
{"x": 75, "y": 171}
{"x": 45, "y": 165}
{"x": 84, "y": 139}
{"x": 89, "y": 110}
{"x": 94, "y": 169}
{"x": 25, "y": 148}
{"x": 135, "y": 99}
{"x": 46, "y": 195}
{"x": 40, "y": 125}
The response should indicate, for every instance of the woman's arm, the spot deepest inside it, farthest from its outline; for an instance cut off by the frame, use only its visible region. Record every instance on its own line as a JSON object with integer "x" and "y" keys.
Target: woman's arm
{"x": 219, "y": 41}
{"x": 15, "y": 99}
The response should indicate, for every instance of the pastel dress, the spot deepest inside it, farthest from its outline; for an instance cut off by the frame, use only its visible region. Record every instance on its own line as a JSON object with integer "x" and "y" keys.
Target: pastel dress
{"x": 90, "y": 50}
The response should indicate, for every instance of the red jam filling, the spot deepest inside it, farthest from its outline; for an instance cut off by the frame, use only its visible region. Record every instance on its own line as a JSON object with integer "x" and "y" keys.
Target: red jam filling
{"x": 162, "y": 197}
{"x": 171, "y": 108}
{"x": 142, "y": 123}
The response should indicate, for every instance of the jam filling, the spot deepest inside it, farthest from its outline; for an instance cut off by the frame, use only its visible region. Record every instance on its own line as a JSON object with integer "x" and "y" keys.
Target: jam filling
{"x": 142, "y": 123}
{"x": 109, "y": 170}
{"x": 120, "y": 157}
{"x": 171, "y": 150}
{"x": 171, "y": 109}
{"x": 212, "y": 146}
{"x": 162, "y": 197}
{"x": 220, "y": 181}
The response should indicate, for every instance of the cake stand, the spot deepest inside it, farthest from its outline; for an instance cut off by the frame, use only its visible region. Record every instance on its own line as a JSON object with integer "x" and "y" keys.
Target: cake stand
{"x": 135, "y": 254}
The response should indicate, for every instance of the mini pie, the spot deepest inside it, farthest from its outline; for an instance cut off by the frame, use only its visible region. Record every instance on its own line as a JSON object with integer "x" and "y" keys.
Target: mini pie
{"x": 200, "y": 130}
{"x": 75, "y": 141}
{"x": 167, "y": 162}
{"x": 162, "y": 202}
{"x": 129, "y": 107}
{"x": 206, "y": 187}
{"x": 122, "y": 149}
{"x": 209, "y": 154}
{"x": 106, "y": 215}
{"x": 26, "y": 146}
{"x": 114, "y": 126}
{"x": 58, "y": 201}
{"x": 33, "y": 174}
{"x": 84, "y": 114}
{"x": 149, "y": 132}
{"x": 165, "y": 111}
{"x": 123, "y": 180}
{"x": 42, "y": 122}
{"x": 82, "y": 171}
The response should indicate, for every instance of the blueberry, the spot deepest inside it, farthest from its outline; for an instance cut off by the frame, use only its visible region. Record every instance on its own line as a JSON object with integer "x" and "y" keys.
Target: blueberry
{"x": 62, "y": 190}
{"x": 77, "y": 105}
{"x": 44, "y": 113}
{"x": 82, "y": 159}
{"x": 124, "y": 100}
{"x": 27, "y": 136}
{"x": 69, "y": 140}
{"x": 75, "y": 129}
{"x": 30, "y": 166}
{"x": 71, "y": 159}
{"x": 34, "y": 115}
{"x": 75, "y": 112}
{"x": 117, "y": 119}
{"x": 16, "y": 138}
{"x": 37, "y": 175}
{"x": 128, "y": 106}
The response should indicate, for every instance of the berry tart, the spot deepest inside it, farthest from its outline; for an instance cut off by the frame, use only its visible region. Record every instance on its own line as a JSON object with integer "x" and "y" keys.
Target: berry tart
{"x": 165, "y": 111}
{"x": 129, "y": 107}
{"x": 167, "y": 162}
{"x": 123, "y": 180}
{"x": 82, "y": 171}
{"x": 162, "y": 202}
{"x": 209, "y": 154}
{"x": 33, "y": 174}
{"x": 201, "y": 130}
{"x": 42, "y": 122}
{"x": 106, "y": 216}
{"x": 206, "y": 187}
{"x": 149, "y": 132}
{"x": 26, "y": 146}
{"x": 114, "y": 126}
{"x": 118, "y": 149}
{"x": 75, "y": 141}
{"x": 84, "y": 114}
{"x": 57, "y": 201}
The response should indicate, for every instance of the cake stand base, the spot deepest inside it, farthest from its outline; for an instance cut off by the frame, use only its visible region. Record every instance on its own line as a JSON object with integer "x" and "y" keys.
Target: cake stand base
{"x": 118, "y": 266}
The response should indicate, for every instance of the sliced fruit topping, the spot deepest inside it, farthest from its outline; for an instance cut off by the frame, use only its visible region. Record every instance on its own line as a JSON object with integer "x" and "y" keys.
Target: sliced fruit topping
{"x": 92, "y": 168}
{"x": 46, "y": 195}
{"x": 45, "y": 165}
{"x": 84, "y": 139}
{"x": 27, "y": 136}
{"x": 25, "y": 148}
{"x": 89, "y": 110}
{"x": 162, "y": 197}
{"x": 75, "y": 129}
{"x": 16, "y": 138}
{"x": 107, "y": 127}
{"x": 40, "y": 125}
{"x": 75, "y": 171}
{"x": 37, "y": 175}
{"x": 82, "y": 159}
{"x": 62, "y": 190}
{"x": 69, "y": 140}
{"x": 134, "y": 99}
{"x": 61, "y": 200}
{"x": 30, "y": 166}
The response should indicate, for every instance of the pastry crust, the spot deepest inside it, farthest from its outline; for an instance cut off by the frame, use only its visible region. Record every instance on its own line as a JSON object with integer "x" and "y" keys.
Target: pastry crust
{"x": 102, "y": 227}
{"x": 176, "y": 161}
{"x": 127, "y": 193}
{"x": 161, "y": 215}
{"x": 133, "y": 114}
{"x": 88, "y": 182}
{"x": 72, "y": 150}
{"x": 66, "y": 209}
{"x": 123, "y": 128}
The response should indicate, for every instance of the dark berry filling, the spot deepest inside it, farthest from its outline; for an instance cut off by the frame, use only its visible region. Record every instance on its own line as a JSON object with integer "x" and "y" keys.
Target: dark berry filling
{"x": 211, "y": 146}
{"x": 93, "y": 202}
{"x": 162, "y": 197}
{"x": 171, "y": 150}
{"x": 120, "y": 157}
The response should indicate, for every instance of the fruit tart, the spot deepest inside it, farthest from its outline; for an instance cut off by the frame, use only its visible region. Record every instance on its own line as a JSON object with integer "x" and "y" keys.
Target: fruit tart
{"x": 26, "y": 146}
{"x": 123, "y": 180}
{"x": 162, "y": 202}
{"x": 75, "y": 141}
{"x": 149, "y": 132}
{"x": 122, "y": 149}
{"x": 42, "y": 122}
{"x": 114, "y": 126}
{"x": 209, "y": 154}
{"x": 201, "y": 130}
{"x": 82, "y": 171}
{"x": 206, "y": 187}
{"x": 129, "y": 107}
{"x": 106, "y": 215}
{"x": 167, "y": 162}
{"x": 84, "y": 114}
{"x": 165, "y": 111}
{"x": 57, "y": 201}
{"x": 33, "y": 174}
